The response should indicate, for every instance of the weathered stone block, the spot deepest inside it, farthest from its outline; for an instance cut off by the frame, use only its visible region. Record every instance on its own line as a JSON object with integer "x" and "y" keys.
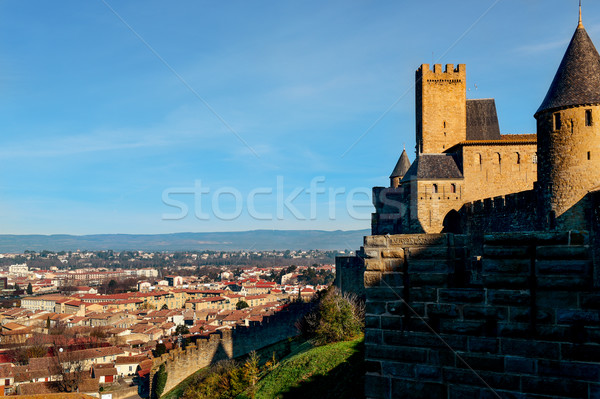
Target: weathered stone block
{"x": 510, "y": 266}
{"x": 414, "y": 240}
{"x": 393, "y": 279}
{"x": 397, "y": 369}
{"x": 505, "y": 280}
{"x": 464, "y": 327}
{"x": 432, "y": 266}
{"x": 567, "y": 316}
{"x": 373, "y": 336}
{"x": 375, "y": 241}
{"x": 427, "y": 253}
{"x": 429, "y": 279}
{"x": 485, "y": 312}
{"x": 395, "y": 353}
{"x": 529, "y": 348}
{"x": 462, "y": 295}
{"x": 372, "y": 279}
{"x": 391, "y": 322}
{"x": 566, "y": 369}
{"x": 510, "y": 252}
{"x": 480, "y": 344}
{"x": 562, "y": 266}
{"x": 508, "y": 297}
{"x": 481, "y": 362}
{"x": 375, "y": 307}
{"x": 522, "y": 365}
{"x": 554, "y": 386}
{"x": 383, "y": 293}
{"x": 425, "y": 372}
{"x": 442, "y": 310}
{"x": 562, "y": 252}
{"x": 372, "y": 322}
{"x": 393, "y": 253}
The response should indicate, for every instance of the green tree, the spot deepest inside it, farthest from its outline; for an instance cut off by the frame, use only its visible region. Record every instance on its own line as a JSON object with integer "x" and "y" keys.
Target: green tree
{"x": 337, "y": 318}
{"x": 159, "y": 350}
{"x": 241, "y": 305}
{"x": 182, "y": 329}
{"x": 112, "y": 285}
{"x": 159, "y": 382}
{"x": 29, "y": 289}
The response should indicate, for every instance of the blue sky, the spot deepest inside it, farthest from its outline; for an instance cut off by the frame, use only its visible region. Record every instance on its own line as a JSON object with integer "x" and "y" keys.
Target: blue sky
{"x": 108, "y": 118}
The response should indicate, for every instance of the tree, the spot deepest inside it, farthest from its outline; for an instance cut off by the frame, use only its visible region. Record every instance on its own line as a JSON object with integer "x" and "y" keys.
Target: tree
{"x": 112, "y": 285}
{"x": 182, "y": 329}
{"x": 338, "y": 317}
{"x": 159, "y": 382}
{"x": 29, "y": 289}
{"x": 241, "y": 305}
{"x": 159, "y": 350}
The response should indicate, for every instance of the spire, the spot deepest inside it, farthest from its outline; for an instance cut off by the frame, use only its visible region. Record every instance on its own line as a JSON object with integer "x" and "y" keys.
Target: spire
{"x": 580, "y": 21}
{"x": 577, "y": 80}
{"x": 401, "y": 166}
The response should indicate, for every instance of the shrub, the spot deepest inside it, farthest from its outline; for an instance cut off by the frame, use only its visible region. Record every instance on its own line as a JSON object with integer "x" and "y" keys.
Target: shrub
{"x": 160, "y": 380}
{"x": 338, "y": 317}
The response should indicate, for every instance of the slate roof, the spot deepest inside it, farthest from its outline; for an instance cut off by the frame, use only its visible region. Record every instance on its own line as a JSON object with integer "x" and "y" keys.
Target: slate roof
{"x": 577, "y": 80}
{"x": 482, "y": 120}
{"x": 433, "y": 166}
{"x": 402, "y": 165}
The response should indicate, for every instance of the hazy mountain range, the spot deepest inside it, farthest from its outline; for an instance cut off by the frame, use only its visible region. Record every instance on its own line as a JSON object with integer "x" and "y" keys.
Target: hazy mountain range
{"x": 224, "y": 241}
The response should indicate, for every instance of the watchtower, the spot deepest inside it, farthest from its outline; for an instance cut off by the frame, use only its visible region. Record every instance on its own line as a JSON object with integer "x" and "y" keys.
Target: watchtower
{"x": 441, "y": 109}
{"x": 568, "y": 126}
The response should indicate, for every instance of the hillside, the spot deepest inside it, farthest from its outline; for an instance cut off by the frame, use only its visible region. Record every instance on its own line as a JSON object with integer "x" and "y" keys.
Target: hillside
{"x": 221, "y": 241}
{"x": 329, "y": 371}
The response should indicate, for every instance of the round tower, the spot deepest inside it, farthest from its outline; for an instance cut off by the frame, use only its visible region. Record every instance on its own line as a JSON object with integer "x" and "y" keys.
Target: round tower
{"x": 568, "y": 131}
{"x": 399, "y": 170}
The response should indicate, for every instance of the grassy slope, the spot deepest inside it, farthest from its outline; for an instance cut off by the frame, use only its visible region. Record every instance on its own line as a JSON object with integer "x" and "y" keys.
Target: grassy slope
{"x": 330, "y": 371}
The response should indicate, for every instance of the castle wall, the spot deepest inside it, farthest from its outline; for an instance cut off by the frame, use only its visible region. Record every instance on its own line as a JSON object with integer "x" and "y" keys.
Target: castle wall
{"x": 522, "y": 320}
{"x": 503, "y": 169}
{"x": 441, "y": 107}
{"x": 431, "y": 206}
{"x": 349, "y": 272}
{"x": 569, "y": 160}
{"x": 228, "y": 344}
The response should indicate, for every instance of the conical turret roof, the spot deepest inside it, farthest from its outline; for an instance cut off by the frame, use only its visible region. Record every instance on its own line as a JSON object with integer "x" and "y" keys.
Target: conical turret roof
{"x": 577, "y": 80}
{"x": 402, "y": 165}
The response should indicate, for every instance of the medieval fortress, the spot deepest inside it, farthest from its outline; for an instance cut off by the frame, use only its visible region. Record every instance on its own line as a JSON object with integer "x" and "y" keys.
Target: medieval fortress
{"x": 482, "y": 273}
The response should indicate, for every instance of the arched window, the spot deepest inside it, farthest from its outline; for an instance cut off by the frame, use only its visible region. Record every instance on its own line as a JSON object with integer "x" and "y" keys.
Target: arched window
{"x": 498, "y": 158}
{"x": 453, "y": 188}
{"x": 435, "y": 188}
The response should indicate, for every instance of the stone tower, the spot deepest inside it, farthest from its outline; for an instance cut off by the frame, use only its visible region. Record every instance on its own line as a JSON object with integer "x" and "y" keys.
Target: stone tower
{"x": 441, "y": 111}
{"x": 568, "y": 127}
{"x": 400, "y": 170}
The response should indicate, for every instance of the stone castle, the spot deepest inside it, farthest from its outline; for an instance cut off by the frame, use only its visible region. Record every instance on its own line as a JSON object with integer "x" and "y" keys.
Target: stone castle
{"x": 482, "y": 273}
{"x": 461, "y": 157}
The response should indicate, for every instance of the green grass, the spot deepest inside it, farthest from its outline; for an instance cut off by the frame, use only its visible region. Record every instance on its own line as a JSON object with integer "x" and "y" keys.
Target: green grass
{"x": 329, "y": 371}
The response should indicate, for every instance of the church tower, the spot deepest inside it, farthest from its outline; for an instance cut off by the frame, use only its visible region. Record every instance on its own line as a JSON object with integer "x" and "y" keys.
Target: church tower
{"x": 568, "y": 130}
{"x": 441, "y": 107}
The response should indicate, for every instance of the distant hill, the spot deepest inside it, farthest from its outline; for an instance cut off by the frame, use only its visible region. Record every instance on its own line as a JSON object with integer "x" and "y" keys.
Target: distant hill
{"x": 227, "y": 241}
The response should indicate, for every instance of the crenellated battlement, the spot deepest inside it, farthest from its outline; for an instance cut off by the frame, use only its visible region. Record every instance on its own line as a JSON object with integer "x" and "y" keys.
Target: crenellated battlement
{"x": 450, "y": 69}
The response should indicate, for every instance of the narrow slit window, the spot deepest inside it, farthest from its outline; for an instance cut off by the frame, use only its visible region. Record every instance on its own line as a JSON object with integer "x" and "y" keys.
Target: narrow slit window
{"x": 588, "y": 117}
{"x": 589, "y": 155}
{"x": 518, "y": 158}
{"x": 435, "y": 188}
{"x": 556, "y": 121}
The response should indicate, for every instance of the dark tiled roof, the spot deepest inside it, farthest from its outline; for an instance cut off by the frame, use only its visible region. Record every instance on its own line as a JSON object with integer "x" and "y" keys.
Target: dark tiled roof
{"x": 401, "y": 166}
{"x": 433, "y": 166}
{"x": 577, "y": 80}
{"x": 482, "y": 120}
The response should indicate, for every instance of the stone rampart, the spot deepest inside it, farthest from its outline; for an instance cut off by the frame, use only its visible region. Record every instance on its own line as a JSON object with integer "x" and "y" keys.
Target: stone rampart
{"x": 228, "y": 344}
{"x": 522, "y": 320}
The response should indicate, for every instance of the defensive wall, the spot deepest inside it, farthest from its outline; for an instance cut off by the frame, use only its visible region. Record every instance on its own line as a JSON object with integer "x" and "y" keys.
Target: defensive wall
{"x": 521, "y": 320}
{"x": 228, "y": 344}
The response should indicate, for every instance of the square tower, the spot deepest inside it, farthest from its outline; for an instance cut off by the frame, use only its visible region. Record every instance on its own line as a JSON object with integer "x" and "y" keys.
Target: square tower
{"x": 441, "y": 107}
